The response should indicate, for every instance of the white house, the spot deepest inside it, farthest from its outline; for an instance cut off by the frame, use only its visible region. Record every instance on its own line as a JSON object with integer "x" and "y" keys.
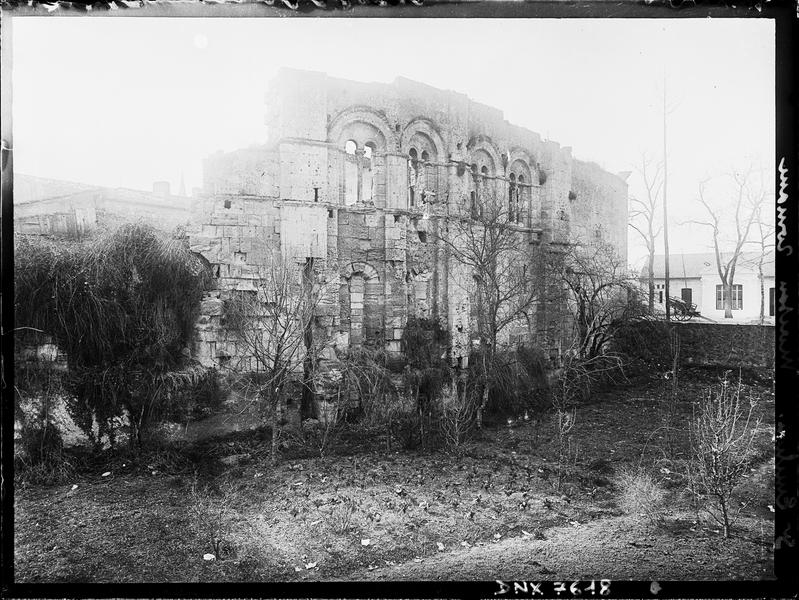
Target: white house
{"x": 694, "y": 278}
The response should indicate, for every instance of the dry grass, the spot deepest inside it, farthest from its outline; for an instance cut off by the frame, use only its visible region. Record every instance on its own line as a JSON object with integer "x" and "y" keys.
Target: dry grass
{"x": 134, "y": 526}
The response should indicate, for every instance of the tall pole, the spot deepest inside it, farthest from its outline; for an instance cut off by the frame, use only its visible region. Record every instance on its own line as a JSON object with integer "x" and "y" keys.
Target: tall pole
{"x": 665, "y": 203}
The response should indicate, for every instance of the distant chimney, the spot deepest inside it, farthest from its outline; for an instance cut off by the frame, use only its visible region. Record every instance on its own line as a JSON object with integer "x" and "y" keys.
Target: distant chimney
{"x": 161, "y": 188}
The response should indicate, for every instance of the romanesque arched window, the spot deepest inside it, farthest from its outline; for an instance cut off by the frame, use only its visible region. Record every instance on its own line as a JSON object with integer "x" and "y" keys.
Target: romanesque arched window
{"x": 519, "y": 191}
{"x": 413, "y": 175}
{"x": 512, "y": 199}
{"x": 350, "y": 172}
{"x": 367, "y": 172}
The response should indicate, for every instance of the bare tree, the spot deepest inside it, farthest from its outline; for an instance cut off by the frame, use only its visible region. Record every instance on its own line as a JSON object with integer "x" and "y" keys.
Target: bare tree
{"x": 506, "y": 272}
{"x": 722, "y": 435}
{"x": 271, "y": 324}
{"x": 765, "y": 240}
{"x": 598, "y": 286}
{"x": 746, "y": 207}
{"x": 644, "y": 211}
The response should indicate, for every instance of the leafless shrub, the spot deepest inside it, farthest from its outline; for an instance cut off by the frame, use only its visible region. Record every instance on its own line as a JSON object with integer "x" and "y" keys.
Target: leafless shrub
{"x": 564, "y": 420}
{"x": 722, "y": 435}
{"x": 211, "y": 505}
{"x": 641, "y": 495}
{"x": 342, "y": 518}
{"x": 456, "y": 415}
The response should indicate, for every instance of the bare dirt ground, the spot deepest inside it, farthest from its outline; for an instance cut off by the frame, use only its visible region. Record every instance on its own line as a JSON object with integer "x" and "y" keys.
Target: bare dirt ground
{"x": 489, "y": 512}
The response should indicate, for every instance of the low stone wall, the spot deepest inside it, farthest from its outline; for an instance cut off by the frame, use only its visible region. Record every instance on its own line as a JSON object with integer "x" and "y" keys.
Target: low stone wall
{"x": 722, "y": 345}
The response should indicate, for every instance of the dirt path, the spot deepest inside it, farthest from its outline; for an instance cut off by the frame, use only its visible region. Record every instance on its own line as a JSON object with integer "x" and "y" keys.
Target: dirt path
{"x": 610, "y": 548}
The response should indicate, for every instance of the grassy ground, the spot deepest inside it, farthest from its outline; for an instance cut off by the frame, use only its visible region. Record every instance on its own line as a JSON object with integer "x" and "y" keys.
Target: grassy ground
{"x": 488, "y": 512}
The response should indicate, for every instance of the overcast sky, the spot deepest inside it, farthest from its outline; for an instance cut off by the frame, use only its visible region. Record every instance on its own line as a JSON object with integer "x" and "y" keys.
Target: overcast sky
{"x": 145, "y": 99}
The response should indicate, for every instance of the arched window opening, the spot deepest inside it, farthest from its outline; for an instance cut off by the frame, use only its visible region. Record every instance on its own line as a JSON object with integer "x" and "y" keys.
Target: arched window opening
{"x": 367, "y": 172}
{"x": 425, "y": 156}
{"x": 413, "y": 176}
{"x": 512, "y": 216}
{"x": 350, "y": 173}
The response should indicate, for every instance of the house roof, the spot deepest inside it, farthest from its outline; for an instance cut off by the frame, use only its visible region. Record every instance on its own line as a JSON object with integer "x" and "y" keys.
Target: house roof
{"x": 29, "y": 188}
{"x": 695, "y": 265}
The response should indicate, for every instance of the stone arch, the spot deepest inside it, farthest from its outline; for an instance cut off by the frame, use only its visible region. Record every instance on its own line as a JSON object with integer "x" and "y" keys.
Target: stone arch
{"x": 426, "y": 128}
{"x": 484, "y": 144}
{"x": 424, "y": 147}
{"x": 369, "y": 272}
{"x": 518, "y": 154}
{"x": 362, "y": 303}
{"x": 362, "y": 114}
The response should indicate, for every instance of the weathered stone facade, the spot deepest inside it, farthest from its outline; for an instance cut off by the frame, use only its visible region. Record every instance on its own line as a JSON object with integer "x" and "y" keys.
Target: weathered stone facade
{"x": 359, "y": 176}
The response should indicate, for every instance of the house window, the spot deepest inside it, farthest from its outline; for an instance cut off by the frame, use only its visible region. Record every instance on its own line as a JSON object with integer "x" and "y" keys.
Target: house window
{"x": 687, "y": 295}
{"x": 771, "y": 302}
{"x": 737, "y": 301}
{"x": 660, "y": 297}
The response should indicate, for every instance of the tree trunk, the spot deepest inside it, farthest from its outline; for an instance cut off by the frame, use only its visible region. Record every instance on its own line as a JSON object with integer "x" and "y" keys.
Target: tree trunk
{"x": 728, "y": 301}
{"x": 482, "y": 406}
{"x": 762, "y": 291}
{"x": 651, "y": 283}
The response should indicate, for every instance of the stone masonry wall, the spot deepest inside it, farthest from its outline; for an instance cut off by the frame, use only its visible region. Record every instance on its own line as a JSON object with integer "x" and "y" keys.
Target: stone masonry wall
{"x": 362, "y": 177}
{"x": 732, "y": 346}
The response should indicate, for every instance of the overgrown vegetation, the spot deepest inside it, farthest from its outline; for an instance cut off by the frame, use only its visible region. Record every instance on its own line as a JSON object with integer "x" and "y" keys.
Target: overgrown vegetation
{"x": 121, "y": 307}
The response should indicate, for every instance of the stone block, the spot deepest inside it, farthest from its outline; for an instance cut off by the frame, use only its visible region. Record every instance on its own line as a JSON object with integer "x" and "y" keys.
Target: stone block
{"x": 211, "y": 306}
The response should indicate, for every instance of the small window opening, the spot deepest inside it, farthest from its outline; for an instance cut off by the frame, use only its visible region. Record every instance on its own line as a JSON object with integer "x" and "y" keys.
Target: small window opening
{"x": 422, "y": 236}
{"x": 484, "y": 171}
{"x": 459, "y": 145}
{"x": 329, "y": 213}
{"x": 396, "y": 218}
{"x": 425, "y": 156}
{"x": 316, "y": 194}
{"x": 350, "y": 147}
{"x": 227, "y": 203}
{"x": 368, "y": 150}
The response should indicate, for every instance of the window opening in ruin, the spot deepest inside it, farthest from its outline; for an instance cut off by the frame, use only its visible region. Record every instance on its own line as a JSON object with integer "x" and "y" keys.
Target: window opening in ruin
{"x": 350, "y": 173}
{"x": 227, "y": 203}
{"x": 413, "y": 176}
{"x": 512, "y": 198}
{"x": 316, "y": 194}
{"x": 329, "y": 213}
{"x": 422, "y": 236}
{"x": 521, "y": 204}
{"x": 425, "y": 156}
{"x": 396, "y": 218}
{"x": 367, "y": 173}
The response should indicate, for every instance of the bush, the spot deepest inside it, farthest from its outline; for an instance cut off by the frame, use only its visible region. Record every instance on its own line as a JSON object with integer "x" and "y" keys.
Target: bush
{"x": 641, "y": 495}
{"x": 122, "y": 307}
{"x": 722, "y": 448}
{"x": 211, "y": 505}
{"x": 455, "y": 412}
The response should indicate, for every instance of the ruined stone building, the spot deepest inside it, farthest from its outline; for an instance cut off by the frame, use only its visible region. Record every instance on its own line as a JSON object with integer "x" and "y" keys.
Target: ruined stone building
{"x": 358, "y": 176}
